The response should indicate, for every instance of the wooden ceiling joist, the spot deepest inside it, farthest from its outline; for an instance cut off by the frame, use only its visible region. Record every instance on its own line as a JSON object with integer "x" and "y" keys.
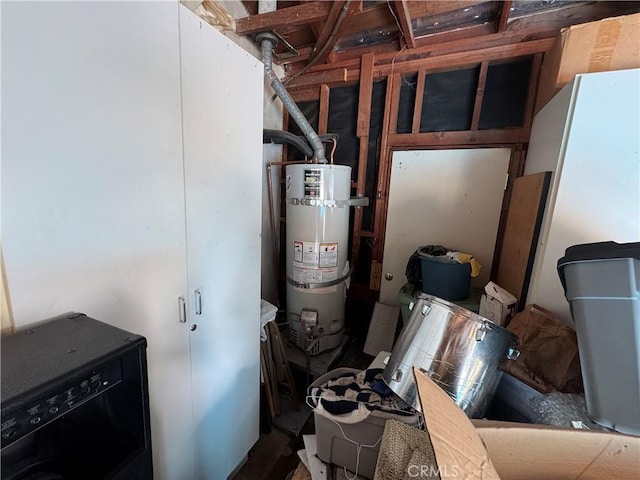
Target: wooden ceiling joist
{"x": 299, "y": 15}
{"x": 421, "y": 8}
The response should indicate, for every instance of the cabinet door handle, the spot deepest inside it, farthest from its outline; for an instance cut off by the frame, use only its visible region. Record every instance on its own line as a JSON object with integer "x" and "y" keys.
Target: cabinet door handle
{"x": 197, "y": 294}
{"x": 182, "y": 310}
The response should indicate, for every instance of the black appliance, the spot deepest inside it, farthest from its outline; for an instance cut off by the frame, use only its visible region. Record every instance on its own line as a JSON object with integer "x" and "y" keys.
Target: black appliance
{"x": 75, "y": 402}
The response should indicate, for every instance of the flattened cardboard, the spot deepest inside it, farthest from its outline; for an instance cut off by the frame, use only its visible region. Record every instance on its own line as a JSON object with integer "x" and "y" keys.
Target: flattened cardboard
{"x": 458, "y": 448}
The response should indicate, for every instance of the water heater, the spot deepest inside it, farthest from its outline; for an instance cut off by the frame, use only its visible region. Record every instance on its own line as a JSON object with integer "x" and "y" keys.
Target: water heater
{"x": 317, "y": 238}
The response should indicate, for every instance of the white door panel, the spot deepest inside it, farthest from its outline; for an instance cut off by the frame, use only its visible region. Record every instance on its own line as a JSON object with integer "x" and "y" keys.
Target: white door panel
{"x": 92, "y": 193}
{"x": 443, "y": 197}
{"x": 222, "y": 110}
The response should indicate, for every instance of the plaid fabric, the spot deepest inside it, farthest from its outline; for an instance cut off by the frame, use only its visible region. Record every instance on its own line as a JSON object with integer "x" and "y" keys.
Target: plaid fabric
{"x": 351, "y": 397}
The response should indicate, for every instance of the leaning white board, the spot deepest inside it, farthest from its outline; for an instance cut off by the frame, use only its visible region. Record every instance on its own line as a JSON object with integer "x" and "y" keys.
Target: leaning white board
{"x": 443, "y": 197}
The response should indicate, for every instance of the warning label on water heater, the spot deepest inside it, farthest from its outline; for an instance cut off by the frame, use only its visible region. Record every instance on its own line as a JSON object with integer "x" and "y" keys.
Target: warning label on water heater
{"x": 315, "y": 262}
{"x": 328, "y": 256}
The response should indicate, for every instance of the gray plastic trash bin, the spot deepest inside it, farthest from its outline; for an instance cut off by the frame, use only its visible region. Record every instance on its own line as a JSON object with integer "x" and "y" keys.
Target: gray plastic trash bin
{"x": 602, "y": 284}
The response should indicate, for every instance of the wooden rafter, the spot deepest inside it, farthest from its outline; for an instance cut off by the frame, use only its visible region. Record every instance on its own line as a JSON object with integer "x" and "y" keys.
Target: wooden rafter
{"x": 504, "y": 15}
{"x": 330, "y": 37}
{"x": 298, "y": 15}
{"x": 324, "y": 33}
{"x": 402, "y": 12}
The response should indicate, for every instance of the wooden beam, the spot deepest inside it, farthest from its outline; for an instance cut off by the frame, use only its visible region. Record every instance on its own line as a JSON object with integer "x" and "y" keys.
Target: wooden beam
{"x": 504, "y": 15}
{"x": 323, "y": 113}
{"x": 364, "y": 98}
{"x": 422, "y": 8}
{"x": 336, "y": 76}
{"x": 303, "y": 54}
{"x": 431, "y": 64}
{"x": 298, "y": 15}
{"x": 468, "y": 58}
{"x": 457, "y": 34}
{"x": 417, "y": 106}
{"x": 478, "y": 137}
{"x": 477, "y": 106}
{"x": 307, "y": 94}
{"x": 406, "y": 30}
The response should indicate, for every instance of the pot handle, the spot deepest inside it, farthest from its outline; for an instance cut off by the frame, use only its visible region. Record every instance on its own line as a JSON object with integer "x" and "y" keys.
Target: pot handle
{"x": 513, "y": 354}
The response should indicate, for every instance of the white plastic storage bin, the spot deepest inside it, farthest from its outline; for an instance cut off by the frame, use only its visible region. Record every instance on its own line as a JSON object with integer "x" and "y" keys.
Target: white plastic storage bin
{"x": 602, "y": 285}
{"x": 338, "y": 442}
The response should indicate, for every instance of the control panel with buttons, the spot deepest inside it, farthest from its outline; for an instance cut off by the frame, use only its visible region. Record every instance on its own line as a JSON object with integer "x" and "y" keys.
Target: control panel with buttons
{"x": 22, "y": 421}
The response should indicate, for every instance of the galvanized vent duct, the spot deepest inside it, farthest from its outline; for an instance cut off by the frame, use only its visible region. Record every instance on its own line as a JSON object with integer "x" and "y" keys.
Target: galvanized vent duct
{"x": 268, "y": 42}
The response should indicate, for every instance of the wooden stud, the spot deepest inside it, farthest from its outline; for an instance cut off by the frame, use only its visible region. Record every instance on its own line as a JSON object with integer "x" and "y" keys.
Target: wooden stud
{"x": 417, "y": 106}
{"x": 534, "y": 79}
{"x": 376, "y": 275}
{"x": 363, "y": 125}
{"x": 477, "y": 106}
{"x": 384, "y": 169}
{"x": 364, "y": 99}
{"x": 290, "y": 16}
{"x": 395, "y": 102}
{"x": 323, "y": 114}
{"x": 360, "y": 188}
{"x": 406, "y": 29}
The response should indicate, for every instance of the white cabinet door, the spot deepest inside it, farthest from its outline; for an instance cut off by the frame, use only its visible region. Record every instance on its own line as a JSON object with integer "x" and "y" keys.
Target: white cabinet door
{"x": 443, "y": 197}
{"x": 92, "y": 185}
{"x": 222, "y": 88}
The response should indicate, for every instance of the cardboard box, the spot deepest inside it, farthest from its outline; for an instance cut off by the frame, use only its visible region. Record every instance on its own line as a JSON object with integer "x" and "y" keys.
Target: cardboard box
{"x": 497, "y": 304}
{"x": 511, "y": 451}
{"x": 609, "y": 44}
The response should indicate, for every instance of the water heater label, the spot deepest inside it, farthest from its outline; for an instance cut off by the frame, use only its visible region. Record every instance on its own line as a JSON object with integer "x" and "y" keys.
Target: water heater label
{"x": 328, "y": 255}
{"x": 314, "y": 275}
{"x": 312, "y": 181}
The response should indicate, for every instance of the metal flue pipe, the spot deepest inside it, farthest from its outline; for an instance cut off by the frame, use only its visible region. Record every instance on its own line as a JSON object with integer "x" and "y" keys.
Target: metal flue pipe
{"x": 268, "y": 43}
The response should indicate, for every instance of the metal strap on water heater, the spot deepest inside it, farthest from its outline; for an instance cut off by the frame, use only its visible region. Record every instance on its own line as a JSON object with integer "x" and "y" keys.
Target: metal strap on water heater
{"x": 311, "y": 286}
{"x": 317, "y": 202}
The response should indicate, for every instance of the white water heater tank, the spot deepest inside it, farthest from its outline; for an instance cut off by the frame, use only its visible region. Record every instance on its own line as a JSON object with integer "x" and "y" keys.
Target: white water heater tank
{"x": 317, "y": 238}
